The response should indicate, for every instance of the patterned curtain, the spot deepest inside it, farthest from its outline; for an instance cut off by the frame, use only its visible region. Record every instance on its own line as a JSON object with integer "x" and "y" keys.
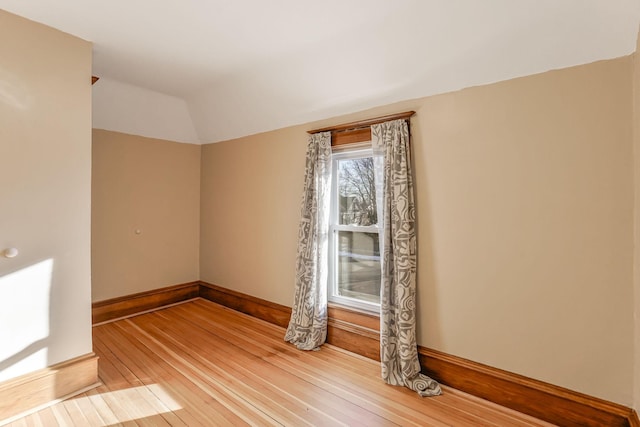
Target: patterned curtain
{"x": 398, "y": 347}
{"x": 308, "y": 324}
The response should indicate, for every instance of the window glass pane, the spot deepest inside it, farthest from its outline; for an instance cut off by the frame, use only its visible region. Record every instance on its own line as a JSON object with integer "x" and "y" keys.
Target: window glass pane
{"x": 358, "y": 266}
{"x": 357, "y": 192}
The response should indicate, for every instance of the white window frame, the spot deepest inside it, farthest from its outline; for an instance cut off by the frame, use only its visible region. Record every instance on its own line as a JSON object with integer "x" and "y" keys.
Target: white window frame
{"x": 335, "y": 227}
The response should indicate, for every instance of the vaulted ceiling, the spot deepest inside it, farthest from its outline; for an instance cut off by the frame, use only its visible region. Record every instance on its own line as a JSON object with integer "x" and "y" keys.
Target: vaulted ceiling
{"x": 203, "y": 71}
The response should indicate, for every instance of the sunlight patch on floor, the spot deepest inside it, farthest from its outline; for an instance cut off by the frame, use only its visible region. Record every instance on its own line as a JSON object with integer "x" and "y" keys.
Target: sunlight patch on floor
{"x": 130, "y": 404}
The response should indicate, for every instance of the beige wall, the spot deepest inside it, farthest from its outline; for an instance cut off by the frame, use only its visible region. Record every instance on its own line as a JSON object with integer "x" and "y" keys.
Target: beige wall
{"x": 250, "y": 197}
{"x": 45, "y": 199}
{"x": 525, "y": 198}
{"x": 525, "y": 203}
{"x": 636, "y": 263}
{"x": 148, "y": 185}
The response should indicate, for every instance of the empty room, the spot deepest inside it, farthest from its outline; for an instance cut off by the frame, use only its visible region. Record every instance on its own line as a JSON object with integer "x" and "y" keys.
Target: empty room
{"x": 339, "y": 213}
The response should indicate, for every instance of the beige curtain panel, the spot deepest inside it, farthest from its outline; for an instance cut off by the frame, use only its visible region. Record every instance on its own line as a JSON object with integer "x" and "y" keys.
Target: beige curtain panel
{"x": 308, "y": 324}
{"x": 398, "y": 347}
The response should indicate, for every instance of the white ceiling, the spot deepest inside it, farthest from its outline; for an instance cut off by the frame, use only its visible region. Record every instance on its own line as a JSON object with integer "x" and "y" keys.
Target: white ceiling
{"x": 208, "y": 70}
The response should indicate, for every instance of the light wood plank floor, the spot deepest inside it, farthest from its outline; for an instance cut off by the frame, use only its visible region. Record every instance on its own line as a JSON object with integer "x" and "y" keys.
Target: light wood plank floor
{"x": 201, "y": 364}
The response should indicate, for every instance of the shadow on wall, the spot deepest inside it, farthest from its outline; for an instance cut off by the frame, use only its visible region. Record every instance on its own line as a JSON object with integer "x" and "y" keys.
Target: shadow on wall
{"x": 25, "y": 319}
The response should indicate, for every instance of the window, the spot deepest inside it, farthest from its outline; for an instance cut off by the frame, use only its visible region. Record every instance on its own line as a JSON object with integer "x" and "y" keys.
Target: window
{"x": 354, "y": 240}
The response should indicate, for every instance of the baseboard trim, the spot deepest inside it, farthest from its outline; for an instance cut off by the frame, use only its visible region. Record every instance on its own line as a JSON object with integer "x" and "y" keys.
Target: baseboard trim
{"x": 358, "y": 332}
{"x": 115, "y": 308}
{"x": 355, "y": 331}
{"x": 542, "y": 400}
{"x": 44, "y": 386}
{"x": 256, "y": 307}
{"x": 138, "y": 313}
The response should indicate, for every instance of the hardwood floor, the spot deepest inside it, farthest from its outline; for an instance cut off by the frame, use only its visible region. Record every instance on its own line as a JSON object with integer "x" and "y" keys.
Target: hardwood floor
{"x": 201, "y": 364}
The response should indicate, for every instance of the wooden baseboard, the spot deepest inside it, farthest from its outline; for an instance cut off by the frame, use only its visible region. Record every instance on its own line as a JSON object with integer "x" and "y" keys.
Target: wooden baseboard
{"x": 548, "y": 402}
{"x": 102, "y": 311}
{"x": 256, "y": 307}
{"x": 43, "y": 386}
{"x": 359, "y": 332}
{"x": 354, "y": 330}
{"x": 110, "y": 309}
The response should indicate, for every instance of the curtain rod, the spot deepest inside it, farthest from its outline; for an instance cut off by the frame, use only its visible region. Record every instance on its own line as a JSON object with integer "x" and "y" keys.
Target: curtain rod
{"x": 363, "y": 123}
